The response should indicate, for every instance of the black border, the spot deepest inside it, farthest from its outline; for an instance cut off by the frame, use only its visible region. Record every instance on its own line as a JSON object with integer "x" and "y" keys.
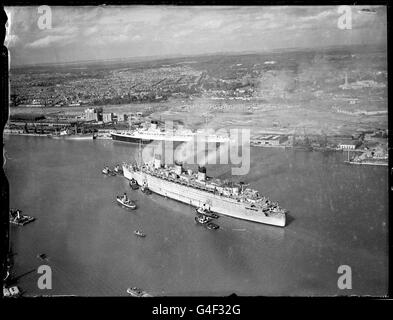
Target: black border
{"x": 197, "y": 2}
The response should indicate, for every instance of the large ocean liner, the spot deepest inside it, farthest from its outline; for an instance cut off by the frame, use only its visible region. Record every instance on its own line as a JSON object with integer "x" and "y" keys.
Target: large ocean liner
{"x": 154, "y": 133}
{"x": 231, "y": 199}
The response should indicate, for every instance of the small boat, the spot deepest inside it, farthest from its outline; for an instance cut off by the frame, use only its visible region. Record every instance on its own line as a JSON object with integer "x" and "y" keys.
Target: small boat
{"x": 212, "y": 226}
{"x": 14, "y": 291}
{"x": 201, "y": 219}
{"x": 139, "y": 233}
{"x": 136, "y": 292}
{"x": 206, "y": 212}
{"x": 108, "y": 172}
{"x": 126, "y": 202}
{"x": 146, "y": 190}
{"x": 133, "y": 184}
{"x": 6, "y": 292}
{"x": 23, "y": 220}
{"x": 118, "y": 169}
{"x": 42, "y": 256}
{"x": 11, "y": 292}
{"x": 16, "y": 217}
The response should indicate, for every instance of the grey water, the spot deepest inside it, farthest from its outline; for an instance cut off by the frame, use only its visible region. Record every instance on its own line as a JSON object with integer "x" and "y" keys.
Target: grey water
{"x": 338, "y": 215}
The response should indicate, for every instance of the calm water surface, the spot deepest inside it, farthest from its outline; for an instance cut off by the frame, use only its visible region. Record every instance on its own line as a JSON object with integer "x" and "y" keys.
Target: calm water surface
{"x": 338, "y": 215}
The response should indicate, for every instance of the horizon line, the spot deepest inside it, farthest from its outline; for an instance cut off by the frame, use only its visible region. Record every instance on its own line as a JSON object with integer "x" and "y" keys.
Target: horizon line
{"x": 172, "y": 56}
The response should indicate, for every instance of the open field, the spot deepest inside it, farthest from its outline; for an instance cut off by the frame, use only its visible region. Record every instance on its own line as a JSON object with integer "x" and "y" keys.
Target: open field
{"x": 286, "y": 119}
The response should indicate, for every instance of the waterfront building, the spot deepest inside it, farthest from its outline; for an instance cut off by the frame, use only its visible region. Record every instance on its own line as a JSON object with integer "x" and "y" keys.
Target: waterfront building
{"x": 121, "y": 117}
{"x": 107, "y": 117}
{"x": 348, "y": 145}
{"x": 93, "y": 114}
{"x": 270, "y": 140}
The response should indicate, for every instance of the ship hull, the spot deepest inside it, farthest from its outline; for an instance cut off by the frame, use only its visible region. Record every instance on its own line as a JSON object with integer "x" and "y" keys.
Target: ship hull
{"x": 129, "y": 139}
{"x": 176, "y": 140}
{"x": 197, "y": 197}
{"x": 74, "y": 137}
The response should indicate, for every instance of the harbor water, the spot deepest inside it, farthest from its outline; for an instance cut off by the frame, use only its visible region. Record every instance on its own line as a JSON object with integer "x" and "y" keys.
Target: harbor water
{"x": 338, "y": 216}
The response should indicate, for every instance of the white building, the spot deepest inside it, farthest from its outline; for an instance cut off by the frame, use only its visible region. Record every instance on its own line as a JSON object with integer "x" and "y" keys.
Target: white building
{"x": 93, "y": 114}
{"x": 121, "y": 117}
{"x": 348, "y": 145}
{"x": 107, "y": 117}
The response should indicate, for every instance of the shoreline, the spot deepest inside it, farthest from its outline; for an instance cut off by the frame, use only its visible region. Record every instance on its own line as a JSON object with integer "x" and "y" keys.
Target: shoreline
{"x": 25, "y": 134}
{"x": 283, "y": 147}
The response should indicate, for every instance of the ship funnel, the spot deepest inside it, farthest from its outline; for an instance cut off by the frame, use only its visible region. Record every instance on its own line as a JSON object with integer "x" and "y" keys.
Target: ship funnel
{"x": 153, "y": 125}
{"x": 201, "y": 173}
{"x": 157, "y": 161}
{"x": 178, "y": 168}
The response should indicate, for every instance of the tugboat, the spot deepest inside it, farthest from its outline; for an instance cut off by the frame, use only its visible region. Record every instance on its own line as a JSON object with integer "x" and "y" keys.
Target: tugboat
{"x": 201, "y": 219}
{"x": 139, "y": 233}
{"x": 134, "y": 184}
{"x": 118, "y": 169}
{"x": 42, "y": 256}
{"x": 146, "y": 190}
{"x": 16, "y": 217}
{"x": 206, "y": 222}
{"x": 212, "y": 226}
{"x": 124, "y": 201}
{"x": 136, "y": 292}
{"x": 206, "y": 212}
{"x": 108, "y": 171}
{"x": 13, "y": 292}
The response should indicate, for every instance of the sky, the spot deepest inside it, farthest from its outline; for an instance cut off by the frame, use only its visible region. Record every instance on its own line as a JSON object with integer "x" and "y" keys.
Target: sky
{"x": 111, "y": 32}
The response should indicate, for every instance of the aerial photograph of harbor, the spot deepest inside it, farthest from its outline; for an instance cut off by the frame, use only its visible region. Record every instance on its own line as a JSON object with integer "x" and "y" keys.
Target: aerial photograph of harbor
{"x": 159, "y": 150}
